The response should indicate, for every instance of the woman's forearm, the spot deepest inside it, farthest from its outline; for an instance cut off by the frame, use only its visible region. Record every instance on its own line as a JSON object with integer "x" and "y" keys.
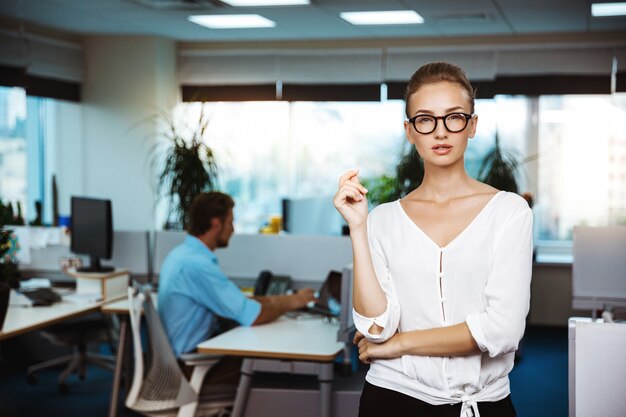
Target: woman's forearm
{"x": 368, "y": 297}
{"x": 453, "y": 340}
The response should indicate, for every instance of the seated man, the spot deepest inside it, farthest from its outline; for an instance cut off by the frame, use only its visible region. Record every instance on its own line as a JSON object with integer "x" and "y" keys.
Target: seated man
{"x": 193, "y": 290}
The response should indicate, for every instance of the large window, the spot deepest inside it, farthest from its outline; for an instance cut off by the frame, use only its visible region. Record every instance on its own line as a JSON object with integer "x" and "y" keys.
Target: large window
{"x": 571, "y": 152}
{"x": 13, "y": 154}
{"x": 270, "y": 151}
{"x": 582, "y": 163}
{"x": 26, "y": 133}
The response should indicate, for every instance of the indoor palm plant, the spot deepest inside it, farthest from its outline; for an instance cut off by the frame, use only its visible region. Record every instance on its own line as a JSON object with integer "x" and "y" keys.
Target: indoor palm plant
{"x": 408, "y": 176}
{"x": 499, "y": 169}
{"x": 184, "y": 164}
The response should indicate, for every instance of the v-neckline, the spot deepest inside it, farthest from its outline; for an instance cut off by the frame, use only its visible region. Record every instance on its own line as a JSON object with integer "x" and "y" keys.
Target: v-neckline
{"x": 461, "y": 233}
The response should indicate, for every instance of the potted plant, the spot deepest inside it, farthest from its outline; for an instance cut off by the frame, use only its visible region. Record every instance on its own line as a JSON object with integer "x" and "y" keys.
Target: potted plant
{"x": 185, "y": 165}
{"x": 9, "y": 272}
{"x": 498, "y": 169}
{"x": 408, "y": 176}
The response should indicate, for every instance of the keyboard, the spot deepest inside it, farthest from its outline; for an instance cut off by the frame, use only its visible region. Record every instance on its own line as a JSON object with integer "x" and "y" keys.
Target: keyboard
{"x": 41, "y": 296}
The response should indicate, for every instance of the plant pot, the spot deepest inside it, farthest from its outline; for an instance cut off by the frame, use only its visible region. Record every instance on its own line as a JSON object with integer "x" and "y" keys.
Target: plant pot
{"x": 5, "y": 292}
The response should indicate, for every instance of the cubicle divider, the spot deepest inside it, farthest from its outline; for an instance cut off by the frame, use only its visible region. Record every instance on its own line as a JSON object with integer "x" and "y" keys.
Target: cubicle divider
{"x": 131, "y": 250}
{"x": 306, "y": 259}
{"x": 303, "y": 258}
{"x": 599, "y": 265}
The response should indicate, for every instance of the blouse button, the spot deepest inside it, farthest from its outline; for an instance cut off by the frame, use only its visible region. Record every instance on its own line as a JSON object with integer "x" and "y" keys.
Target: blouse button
{"x": 443, "y": 299}
{"x": 441, "y": 275}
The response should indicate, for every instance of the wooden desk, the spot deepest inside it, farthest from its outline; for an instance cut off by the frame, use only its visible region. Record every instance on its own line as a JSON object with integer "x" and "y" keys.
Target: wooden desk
{"x": 300, "y": 346}
{"x": 23, "y": 319}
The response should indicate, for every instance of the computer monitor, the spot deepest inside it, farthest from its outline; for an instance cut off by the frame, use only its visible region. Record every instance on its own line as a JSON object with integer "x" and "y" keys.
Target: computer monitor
{"x": 92, "y": 231}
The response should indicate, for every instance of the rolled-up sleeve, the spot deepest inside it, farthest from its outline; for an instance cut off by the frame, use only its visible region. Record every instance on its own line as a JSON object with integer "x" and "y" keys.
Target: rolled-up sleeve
{"x": 499, "y": 328}
{"x": 390, "y": 318}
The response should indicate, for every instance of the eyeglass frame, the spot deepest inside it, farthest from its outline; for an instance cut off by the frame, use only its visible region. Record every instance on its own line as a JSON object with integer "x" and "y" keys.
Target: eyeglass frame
{"x": 467, "y": 117}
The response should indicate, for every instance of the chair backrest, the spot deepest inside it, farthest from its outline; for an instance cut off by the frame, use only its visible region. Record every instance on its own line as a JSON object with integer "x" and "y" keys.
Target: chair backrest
{"x": 162, "y": 386}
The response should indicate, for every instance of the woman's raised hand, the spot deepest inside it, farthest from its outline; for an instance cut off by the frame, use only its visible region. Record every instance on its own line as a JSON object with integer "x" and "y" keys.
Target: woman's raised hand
{"x": 350, "y": 200}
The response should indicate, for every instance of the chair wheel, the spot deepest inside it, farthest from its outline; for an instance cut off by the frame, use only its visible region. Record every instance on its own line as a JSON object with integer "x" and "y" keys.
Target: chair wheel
{"x": 32, "y": 379}
{"x": 64, "y": 389}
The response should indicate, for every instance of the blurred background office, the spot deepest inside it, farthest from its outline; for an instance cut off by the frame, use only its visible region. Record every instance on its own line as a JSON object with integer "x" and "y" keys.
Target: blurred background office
{"x": 89, "y": 92}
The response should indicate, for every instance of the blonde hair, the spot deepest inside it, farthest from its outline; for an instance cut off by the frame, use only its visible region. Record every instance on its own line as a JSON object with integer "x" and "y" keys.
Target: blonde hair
{"x": 437, "y": 72}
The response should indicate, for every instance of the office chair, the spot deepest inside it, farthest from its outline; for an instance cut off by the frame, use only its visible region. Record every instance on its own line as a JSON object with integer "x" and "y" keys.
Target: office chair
{"x": 76, "y": 334}
{"x": 162, "y": 388}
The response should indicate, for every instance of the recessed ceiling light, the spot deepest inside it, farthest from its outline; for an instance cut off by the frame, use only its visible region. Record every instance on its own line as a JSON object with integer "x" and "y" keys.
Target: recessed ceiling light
{"x": 392, "y": 17}
{"x": 252, "y": 3}
{"x": 232, "y": 21}
{"x": 608, "y": 9}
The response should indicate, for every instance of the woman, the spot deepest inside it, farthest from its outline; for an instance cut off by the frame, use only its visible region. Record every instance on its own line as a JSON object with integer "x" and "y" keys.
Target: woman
{"x": 442, "y": 276}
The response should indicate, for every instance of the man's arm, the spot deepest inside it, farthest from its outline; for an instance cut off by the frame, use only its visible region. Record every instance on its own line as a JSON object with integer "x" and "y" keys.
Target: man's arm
{"x": 275, "y": 306}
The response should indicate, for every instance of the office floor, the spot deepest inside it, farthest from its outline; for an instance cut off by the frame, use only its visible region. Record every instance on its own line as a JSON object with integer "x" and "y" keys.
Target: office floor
{"x": 538, "y": 383}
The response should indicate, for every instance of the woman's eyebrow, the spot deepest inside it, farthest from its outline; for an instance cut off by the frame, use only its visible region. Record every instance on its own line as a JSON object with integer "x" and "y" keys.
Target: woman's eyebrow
{"x": 449, "y": 110}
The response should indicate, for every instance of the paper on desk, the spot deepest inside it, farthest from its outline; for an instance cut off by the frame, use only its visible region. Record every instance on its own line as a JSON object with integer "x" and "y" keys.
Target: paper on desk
{"x": 82, "y": 298}
{"x": 35, "y": 283}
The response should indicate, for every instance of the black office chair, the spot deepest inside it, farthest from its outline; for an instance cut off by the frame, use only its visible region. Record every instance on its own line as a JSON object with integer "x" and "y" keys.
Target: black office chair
{"x": 77, "y": 334}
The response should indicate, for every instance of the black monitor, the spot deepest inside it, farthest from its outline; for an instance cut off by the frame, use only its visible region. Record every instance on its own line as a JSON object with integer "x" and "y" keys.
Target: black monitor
{"x": 92, "y": 231}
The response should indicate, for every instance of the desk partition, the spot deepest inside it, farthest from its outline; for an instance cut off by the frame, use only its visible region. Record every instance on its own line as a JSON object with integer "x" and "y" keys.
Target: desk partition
{"x": 599, "y": 267}
{"x": 304, "y": 258}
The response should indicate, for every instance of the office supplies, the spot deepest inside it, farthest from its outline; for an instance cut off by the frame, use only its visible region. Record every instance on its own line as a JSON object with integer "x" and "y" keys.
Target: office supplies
{"x": 92, "y": 231}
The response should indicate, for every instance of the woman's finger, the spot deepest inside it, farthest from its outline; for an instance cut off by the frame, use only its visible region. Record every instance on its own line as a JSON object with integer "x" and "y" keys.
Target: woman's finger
{"x": 349, "y": 191}
{"x": 355, "y": 183}
{"x": 357, "y": 337}
{"x": 348, "y": 175}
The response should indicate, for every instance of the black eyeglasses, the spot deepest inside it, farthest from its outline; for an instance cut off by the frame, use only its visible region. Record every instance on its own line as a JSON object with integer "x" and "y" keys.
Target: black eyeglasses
{"x": 453, "y": 122}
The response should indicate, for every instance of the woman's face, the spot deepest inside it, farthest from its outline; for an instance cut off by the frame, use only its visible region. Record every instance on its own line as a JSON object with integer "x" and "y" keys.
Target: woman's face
{"x": 440, "y": 147}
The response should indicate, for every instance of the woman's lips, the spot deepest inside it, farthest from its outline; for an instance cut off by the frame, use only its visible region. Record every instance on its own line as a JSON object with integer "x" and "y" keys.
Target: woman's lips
{"x": 442, "y": 149}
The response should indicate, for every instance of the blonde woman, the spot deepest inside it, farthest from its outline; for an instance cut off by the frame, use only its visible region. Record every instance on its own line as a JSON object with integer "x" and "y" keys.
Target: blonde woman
{"x": 441, "y": 276}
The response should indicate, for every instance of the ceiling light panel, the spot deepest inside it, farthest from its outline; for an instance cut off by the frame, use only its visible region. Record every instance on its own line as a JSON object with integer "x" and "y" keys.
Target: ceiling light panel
{"x": 391, "y": 17}
{"x": 608, "y": 9}
{"x": 261, "y": 3}
{"x": 232, "y": 21}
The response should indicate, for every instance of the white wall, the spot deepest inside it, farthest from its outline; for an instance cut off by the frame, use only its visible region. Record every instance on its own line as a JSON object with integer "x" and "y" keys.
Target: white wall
{"x": 127, "y": 80}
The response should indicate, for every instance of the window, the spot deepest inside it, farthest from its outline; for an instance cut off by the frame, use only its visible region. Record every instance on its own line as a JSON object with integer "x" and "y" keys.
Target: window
{"x": 13, "y": 149}
{"x": 571, "y": 149}
{"x": 26, "y": 132}
{"x": 267, "y": 151}
{"x": 582, "y": 163}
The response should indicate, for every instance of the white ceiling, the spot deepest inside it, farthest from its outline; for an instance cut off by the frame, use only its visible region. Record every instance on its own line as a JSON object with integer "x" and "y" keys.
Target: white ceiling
{"x": 318, "y": 21}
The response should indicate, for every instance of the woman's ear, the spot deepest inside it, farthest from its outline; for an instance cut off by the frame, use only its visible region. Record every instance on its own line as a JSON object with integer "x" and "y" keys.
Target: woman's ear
{"x": 472, "y": 126}
{"x": 409, "y": 130}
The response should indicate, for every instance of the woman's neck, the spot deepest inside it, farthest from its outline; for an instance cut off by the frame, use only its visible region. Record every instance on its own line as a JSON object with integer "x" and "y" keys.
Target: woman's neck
{"x": 444, "y": 183}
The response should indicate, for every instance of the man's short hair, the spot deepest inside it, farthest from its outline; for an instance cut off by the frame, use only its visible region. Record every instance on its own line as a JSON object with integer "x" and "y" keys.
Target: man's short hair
{"x": 205, "y": 207}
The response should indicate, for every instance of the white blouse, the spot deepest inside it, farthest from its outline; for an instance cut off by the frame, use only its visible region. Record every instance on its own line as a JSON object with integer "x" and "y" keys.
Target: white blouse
{"x": 484, "y": 281}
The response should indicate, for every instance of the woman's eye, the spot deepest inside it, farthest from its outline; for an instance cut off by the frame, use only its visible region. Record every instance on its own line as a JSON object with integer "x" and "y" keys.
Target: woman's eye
{"x": 423, "y": 120}
{"x": 454, "y": 117}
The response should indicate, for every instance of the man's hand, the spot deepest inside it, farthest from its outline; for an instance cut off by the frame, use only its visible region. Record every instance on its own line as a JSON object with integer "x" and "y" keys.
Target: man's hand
{"x": 302, "y": 297}
{"x": 369, "y": 351}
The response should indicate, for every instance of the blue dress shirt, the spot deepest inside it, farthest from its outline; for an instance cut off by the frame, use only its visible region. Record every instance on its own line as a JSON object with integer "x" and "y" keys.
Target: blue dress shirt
{"x": 193, "y": 290}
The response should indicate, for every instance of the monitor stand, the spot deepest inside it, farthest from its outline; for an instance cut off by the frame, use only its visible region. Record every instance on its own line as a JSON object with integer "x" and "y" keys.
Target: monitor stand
{"x": 95, "y": 266}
